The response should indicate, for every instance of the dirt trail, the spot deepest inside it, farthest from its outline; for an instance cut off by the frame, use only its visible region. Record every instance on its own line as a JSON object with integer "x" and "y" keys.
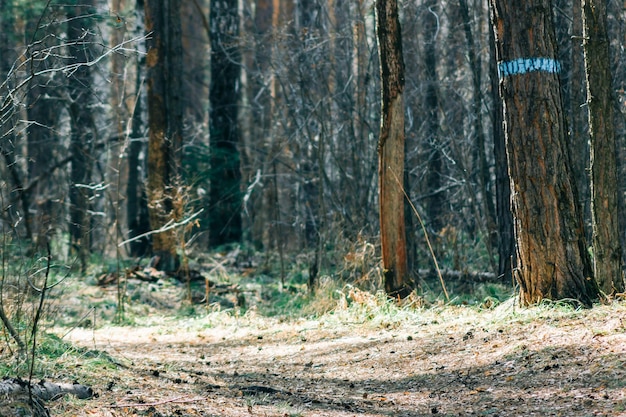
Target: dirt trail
{"x": 457, "y": 363}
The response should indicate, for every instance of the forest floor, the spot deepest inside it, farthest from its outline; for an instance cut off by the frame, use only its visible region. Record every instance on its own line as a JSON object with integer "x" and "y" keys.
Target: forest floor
{"x": 367, "y": 357}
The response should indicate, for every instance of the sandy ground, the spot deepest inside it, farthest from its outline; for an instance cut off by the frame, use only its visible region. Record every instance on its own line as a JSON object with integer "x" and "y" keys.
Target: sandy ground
{"x": 450, "y": 361}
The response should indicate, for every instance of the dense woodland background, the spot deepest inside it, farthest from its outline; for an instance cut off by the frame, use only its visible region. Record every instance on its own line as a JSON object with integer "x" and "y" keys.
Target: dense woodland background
{"x": 295, "y": 86}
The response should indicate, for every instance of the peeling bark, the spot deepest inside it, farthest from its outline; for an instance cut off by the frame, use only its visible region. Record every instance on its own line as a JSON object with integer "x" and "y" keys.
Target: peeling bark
{"x": 391, "y": 150}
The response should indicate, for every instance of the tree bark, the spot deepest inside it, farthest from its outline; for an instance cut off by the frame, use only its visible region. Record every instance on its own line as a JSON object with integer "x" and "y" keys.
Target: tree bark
{"x": 80, "y": 85}
{"x": 164, "y": 69}
{"x": 391, "y": 150}
{"x": 607, "y": 251}
{"x": 553, "y": 262}
{"x": 578, "y": 113}
{"x": 225, "y": 193}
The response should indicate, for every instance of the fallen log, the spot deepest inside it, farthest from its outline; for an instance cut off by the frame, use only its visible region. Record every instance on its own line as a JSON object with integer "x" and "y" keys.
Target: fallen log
{"x": 45, "y": 390}
{"x": 21, "y": 398}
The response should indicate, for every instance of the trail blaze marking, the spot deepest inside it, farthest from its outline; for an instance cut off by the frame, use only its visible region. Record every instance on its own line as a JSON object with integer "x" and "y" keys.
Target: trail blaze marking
{"x": 521, "y": 66}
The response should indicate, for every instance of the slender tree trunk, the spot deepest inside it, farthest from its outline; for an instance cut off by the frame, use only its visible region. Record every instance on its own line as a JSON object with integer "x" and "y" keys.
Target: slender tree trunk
{"x": 506, "y": 234}
{"x": 41, "y": 137}
{"x": 137, "y": 213}
{"x": 484, "y": 176}
{"x": 41, "y": 143}
{"x": 117, "y": 165}
{"x": 80, "y": 84}
{"x": 360, "y": 151}
{"x": 552, "y": 252}
{"x": 8, "y": 117}
{"x": 225, "y": 193}
{"x": 391, "y": 150}
{"x": 607, "y": 251}
{"x": 434, "y": 177}
{"x": 164, "y": 69}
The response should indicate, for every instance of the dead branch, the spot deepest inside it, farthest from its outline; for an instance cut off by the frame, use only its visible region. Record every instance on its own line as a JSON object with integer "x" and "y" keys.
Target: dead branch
{"x": 168, "y": 226}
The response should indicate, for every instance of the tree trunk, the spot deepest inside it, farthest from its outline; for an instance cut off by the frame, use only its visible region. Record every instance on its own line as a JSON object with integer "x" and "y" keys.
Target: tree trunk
{"x": 607, "y": 251}
{"x": 578, "y": 119}
{"x": 164, "y": 69}
{"x": 8, "y": 119}
{"x": 137, "y": 212}
{"x": 506, "y": 233}
{"x": 391, "y": 150}
{"x": 553, "y": 262}
{"x": 482, "y": 166}
{"x": 435, "y": 202}
{"x": 361, "y": 150}
{"x": 116, "y": 163}
{"x": 225, "y": 193}
{"x": 41, "y": 137}
{"x": 80, "y": 85}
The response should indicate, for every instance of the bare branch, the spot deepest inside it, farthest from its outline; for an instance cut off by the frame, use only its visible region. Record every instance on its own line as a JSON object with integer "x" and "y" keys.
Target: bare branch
{"x": 168, "y": 226}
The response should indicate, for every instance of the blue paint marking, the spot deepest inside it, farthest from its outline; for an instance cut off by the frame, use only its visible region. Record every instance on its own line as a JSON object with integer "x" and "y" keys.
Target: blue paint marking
{"x": 524, "y": 65}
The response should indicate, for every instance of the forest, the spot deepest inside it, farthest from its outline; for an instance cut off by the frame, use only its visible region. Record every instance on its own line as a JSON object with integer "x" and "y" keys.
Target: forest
{"x": 428, "y": 188}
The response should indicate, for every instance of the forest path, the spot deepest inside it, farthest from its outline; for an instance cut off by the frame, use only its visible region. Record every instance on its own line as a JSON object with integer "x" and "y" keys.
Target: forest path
{"x": 456, "y": 363}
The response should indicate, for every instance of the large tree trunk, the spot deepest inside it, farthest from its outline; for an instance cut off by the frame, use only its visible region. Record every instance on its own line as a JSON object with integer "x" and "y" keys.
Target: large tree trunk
{"x": 164, "y": 67}
{"x": 225, "y": 193}
{"x": 80, "y": 85}
{"x": 553, "y": 262}
{"x": 391, "y": 150}
{"x": 607, "y": 251}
